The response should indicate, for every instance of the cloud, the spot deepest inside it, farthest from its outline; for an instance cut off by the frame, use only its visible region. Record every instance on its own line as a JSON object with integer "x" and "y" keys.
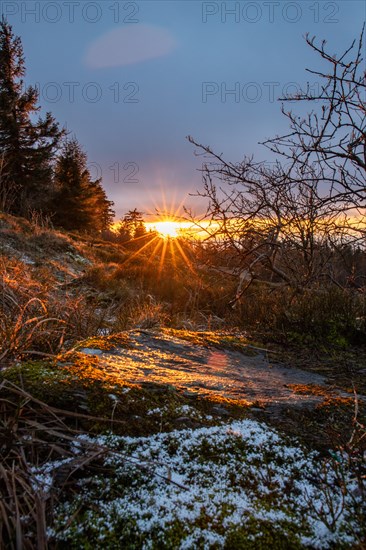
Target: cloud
{"x": 129, "y": 45}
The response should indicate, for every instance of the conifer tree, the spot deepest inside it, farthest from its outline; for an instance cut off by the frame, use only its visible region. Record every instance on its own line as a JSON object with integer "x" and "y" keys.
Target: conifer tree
{"x": 79, "y": 203}
{"x": 27, "y": 147}
{"x": 132, "y": 226}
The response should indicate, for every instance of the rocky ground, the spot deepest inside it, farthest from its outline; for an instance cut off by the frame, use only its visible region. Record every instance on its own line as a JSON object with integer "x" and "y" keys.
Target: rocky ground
{"x": 176, "y": 439}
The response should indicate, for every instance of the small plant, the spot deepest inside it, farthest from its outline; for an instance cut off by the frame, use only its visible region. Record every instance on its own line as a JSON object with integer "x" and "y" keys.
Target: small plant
{"x": 141, "y": 313}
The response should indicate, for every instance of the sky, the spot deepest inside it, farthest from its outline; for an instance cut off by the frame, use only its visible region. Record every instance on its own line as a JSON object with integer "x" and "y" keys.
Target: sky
{"x": 132, "y": 79}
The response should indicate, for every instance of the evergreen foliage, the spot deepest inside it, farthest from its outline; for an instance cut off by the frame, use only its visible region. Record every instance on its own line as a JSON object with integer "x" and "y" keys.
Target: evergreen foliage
{"x": 27, "y": 147}
{"x": 80, "y": 203}
{"x": 30, "y": 178}
{"x": 132, "y": 226}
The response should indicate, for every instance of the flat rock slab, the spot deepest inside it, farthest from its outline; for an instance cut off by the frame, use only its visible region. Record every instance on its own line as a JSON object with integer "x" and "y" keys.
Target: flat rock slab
{"x": 160, "y": 358}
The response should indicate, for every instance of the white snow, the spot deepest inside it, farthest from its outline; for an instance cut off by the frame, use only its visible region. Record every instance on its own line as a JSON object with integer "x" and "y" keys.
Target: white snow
{"x": 224, "y": 474}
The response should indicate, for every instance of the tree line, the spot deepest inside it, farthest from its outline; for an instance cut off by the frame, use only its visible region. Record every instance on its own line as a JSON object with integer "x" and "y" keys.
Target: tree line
{"x": 42, "y": 169}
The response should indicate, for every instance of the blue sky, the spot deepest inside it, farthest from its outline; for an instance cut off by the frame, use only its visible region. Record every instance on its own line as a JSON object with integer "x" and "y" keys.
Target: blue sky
{"x": 132, "y": 79}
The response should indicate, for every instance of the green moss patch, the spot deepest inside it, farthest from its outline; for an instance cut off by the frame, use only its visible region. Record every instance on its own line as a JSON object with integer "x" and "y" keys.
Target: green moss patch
{"x": 217, "y": 339}
{"x": 234, "y": 486}
{"x": 79, "y": 384}
{"x": 107, "y": 343}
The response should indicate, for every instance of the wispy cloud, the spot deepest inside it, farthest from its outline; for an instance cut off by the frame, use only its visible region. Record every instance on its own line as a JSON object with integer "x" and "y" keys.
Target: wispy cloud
{"x": 129, "y": 45}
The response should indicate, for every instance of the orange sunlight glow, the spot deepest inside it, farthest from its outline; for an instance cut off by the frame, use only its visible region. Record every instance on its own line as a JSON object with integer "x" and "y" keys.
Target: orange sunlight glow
{"x": 167, "y": 228}
{"x": 162, "y": 244}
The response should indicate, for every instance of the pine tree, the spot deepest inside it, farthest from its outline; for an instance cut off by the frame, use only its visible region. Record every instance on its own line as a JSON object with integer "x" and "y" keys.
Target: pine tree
{"x": 27, "y": 147}
{"x": 79, "y": 203}
{"x": 132, "y": 226}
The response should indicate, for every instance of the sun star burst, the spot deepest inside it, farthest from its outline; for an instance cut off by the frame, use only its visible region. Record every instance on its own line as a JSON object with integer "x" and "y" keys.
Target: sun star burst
{"x": 167, "y": 228}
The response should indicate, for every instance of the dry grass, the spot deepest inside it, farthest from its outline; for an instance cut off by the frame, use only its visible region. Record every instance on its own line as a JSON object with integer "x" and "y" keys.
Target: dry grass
{"x": 31, "y": 433}
{"x": 58, "y": 288}
{"x": 141, "y": 313}
{"x": 39, "y": 316}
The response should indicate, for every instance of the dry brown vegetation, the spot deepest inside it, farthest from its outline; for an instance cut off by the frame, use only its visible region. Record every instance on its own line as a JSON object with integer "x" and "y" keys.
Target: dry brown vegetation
{"x": 31, "y": 433}
{"x": 58, "y": 289}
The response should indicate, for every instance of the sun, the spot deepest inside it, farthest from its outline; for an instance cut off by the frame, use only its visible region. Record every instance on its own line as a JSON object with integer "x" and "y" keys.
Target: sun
{"x": 168, "y": 228}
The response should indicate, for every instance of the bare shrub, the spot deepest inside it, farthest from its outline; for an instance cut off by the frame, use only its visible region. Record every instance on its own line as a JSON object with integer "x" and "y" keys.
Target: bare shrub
{"x": 296, "y": 227}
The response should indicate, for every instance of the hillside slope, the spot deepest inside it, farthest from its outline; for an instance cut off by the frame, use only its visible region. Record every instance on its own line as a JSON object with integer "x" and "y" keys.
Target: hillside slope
{"x": 48, "y": 301}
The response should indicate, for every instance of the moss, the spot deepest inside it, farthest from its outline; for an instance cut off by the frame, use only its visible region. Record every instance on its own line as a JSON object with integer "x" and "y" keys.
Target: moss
{"x": 252, "y": 534}
{"x": 36, "y": 377}
{"x": 78, "y": 383}
{"x": 107, "y": 343}
{"x": 217, "y": 339}
{"x": 330, "y": 397}
{"x": 171, "y": 538}
{"x": 260, "y": 535}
